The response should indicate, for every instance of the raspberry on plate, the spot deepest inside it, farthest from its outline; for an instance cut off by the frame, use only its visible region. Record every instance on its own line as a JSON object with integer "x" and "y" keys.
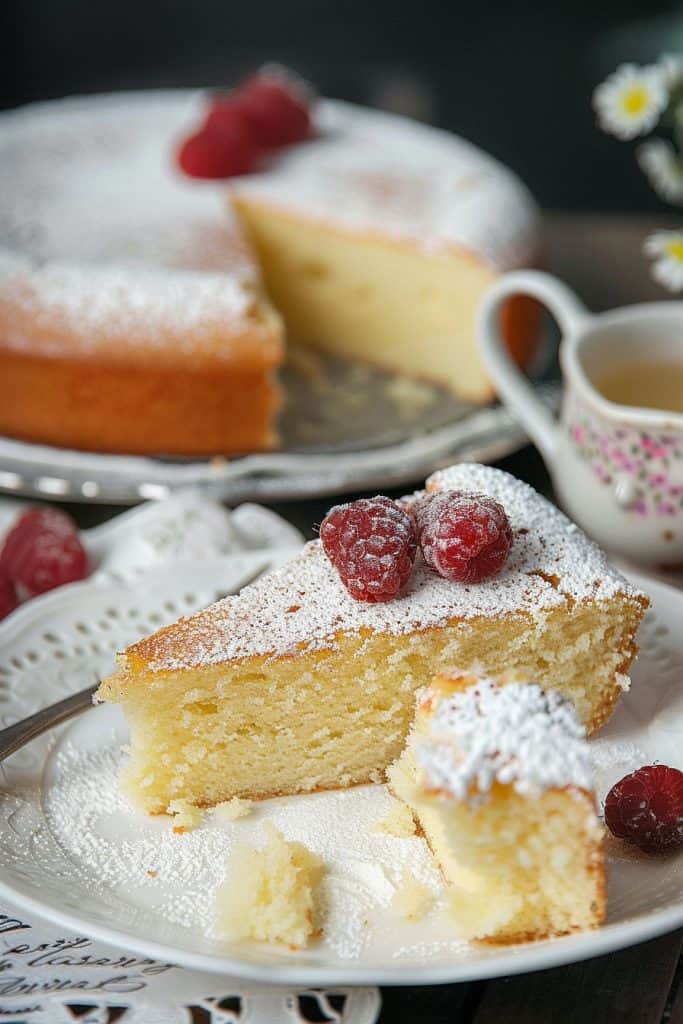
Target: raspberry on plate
{"x": 8, "y": 595}
{"x": 218, "y": 154}
{"x": 43, "y": 551}
{"x": 372, "y": 544}
{"x": 465, "y": 537}
{"x": 646, "y": 808}
{"x": 276, "y": 109}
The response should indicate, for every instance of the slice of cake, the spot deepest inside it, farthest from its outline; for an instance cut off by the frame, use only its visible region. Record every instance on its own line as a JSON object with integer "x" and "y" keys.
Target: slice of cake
{"x": 295, "y": 686}
{"x": 500, "y": 780}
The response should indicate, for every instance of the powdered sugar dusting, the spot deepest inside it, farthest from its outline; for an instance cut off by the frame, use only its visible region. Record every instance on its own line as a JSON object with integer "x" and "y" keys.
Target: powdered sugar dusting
{"x": 100, "y": 237}
{"x": 176, "y": 876}
{"x": 304, "y": 606}
{"x": 371, "y": 171}
{"x": 514, "y": 734}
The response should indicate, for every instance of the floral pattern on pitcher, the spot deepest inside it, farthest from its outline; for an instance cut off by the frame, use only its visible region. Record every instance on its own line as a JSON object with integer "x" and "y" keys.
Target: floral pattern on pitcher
{"x": 652, "y": 465}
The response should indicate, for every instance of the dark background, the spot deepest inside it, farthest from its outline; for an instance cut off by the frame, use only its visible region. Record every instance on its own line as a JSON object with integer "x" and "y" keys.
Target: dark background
{"x": 514, "y": 77}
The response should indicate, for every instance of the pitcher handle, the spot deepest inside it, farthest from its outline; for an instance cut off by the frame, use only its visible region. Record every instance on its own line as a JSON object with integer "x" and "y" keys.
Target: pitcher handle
{"x": 513, "y": 387}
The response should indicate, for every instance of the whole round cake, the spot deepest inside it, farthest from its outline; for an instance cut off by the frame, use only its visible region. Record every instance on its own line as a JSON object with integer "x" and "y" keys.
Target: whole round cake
{"x": 145, "y": 312}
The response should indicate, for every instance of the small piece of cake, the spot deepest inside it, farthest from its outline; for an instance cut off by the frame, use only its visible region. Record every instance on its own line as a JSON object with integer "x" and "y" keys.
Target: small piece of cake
{"x": 268, "y": 894}
{"x": 231, "y": 810}
{"x": 294, "y": 686}
{"x": 186, "y": 815}
{"x": 499, "y": 776}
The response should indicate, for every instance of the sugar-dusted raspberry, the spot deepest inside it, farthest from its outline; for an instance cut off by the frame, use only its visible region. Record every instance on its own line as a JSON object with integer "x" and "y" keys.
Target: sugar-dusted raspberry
{"x": 8, "y": 595}
{"x": 276, "y": 106}
{"x": 465, "y": 537}
{"x": 42, "y": 551}
{"x": 372, "y": 545}
{"x": 218, "y": 154}
{"x": 646, "y": 808}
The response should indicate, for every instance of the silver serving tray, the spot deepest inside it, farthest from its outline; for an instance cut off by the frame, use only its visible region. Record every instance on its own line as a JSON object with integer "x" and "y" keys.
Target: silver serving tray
{"x": 345, "y": 427}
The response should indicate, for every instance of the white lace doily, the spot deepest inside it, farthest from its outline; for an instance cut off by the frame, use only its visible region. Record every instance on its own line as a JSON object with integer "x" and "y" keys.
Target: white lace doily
{"x": 191, "y": 550}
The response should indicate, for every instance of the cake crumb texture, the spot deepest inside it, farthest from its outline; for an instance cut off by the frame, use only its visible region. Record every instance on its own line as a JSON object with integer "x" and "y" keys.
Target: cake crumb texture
{"x": 268, "y": 894}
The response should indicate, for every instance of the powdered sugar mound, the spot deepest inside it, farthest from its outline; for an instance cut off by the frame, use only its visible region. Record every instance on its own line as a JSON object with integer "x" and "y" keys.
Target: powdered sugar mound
{"x": 515, "y": 734}
{"x": 304, "y": 606}
{"x": 371, "y": 171}
{"x": 175, "y": 876}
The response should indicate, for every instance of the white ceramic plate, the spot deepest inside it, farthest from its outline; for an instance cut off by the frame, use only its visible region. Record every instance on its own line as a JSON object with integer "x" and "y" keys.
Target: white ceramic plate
{"x": 71, "y": 850}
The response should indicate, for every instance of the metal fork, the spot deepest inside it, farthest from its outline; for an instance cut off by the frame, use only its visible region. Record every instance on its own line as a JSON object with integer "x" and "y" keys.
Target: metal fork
{"x": 22, "y": 732}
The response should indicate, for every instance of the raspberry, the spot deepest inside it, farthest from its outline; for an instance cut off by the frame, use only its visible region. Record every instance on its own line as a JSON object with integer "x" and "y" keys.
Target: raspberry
{"x": 224, "y": 115}
{"x": 646, "y": 808}
{"x": 8, "y": 596}
{"x": 465, "y": 537}
{"x": 43, "y": 551}
{"x": 218, "y": 154}
{"x": 277, "y": 111}
{"x": 372, "y": 545}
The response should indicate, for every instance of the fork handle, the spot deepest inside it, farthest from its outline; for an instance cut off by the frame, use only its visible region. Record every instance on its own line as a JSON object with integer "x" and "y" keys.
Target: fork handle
{"x": 17, "y": 735}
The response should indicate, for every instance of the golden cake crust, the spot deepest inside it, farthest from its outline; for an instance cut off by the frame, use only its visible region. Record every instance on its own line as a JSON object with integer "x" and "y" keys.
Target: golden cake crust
{"x": 116, "y": 408}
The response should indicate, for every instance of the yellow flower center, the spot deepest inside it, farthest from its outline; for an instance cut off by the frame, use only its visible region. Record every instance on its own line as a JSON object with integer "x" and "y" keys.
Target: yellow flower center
{"x": 675, "y": 250}
{"x": 635, "y": 100}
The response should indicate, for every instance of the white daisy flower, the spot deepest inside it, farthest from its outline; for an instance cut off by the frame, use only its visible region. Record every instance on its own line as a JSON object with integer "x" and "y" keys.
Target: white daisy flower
{"x": 664, "y": 169}
{"x": 667, "y": 249}
{"x": 672, "y": 69}
{"x": 630, "y": 101}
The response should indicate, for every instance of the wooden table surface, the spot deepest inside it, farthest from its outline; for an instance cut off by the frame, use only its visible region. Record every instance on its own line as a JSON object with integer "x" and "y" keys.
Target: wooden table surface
{"x": 601, "y": 257}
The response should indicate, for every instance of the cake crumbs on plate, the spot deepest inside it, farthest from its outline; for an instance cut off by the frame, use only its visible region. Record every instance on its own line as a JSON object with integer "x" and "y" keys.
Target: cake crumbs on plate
{"x": 186, "y": 816}
{"x": 231, "y": 810}
{"x": 412, "y": 899}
